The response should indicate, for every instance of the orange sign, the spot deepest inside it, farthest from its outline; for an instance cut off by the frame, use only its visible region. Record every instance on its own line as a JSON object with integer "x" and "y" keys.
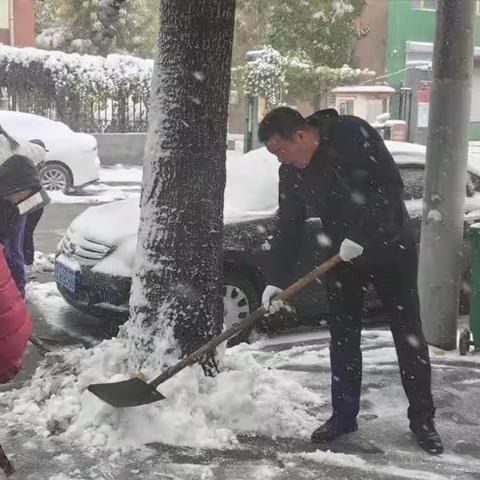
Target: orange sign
{"x": 424, "y": 92}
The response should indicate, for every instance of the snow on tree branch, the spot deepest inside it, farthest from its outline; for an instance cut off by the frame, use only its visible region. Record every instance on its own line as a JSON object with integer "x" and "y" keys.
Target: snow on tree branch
{"x": 270, "y": 73}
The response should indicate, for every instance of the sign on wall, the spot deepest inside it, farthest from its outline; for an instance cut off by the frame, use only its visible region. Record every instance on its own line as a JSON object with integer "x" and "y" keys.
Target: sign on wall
{"x": 424, "y": 94}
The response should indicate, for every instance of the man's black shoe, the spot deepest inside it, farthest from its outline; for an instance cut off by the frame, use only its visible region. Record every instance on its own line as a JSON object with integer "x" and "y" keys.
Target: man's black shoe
{"x": 333, "y": 428}
{"x": 427, "y": 436}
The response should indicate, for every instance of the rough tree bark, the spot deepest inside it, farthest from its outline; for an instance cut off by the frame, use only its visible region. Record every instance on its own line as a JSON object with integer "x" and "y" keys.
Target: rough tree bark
{"x": 177, "y": 288}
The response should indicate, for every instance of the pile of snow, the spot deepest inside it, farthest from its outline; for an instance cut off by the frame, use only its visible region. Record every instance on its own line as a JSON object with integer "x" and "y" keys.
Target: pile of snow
{"x": 43, "y": 262}
{"x": 198, "y": 411}
{"x": 51, "y": 305}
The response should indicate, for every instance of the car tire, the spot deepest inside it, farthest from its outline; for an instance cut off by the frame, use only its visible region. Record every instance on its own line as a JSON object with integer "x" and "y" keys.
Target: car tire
{"x": 56, "y": 177}
{"x": 240, "y": 298}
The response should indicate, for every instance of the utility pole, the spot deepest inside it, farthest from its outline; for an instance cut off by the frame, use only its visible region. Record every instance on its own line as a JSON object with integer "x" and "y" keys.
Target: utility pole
{"x": 446, "y": 169}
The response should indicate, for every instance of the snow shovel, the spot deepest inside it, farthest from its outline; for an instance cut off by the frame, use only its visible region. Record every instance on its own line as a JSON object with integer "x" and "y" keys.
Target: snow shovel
{"x": 5, "y": 464}
{"x": 38, "y": 343}
{"x": 136, "y": 391}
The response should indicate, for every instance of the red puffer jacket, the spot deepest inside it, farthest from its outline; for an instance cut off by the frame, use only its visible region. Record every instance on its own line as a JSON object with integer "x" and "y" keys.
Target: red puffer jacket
{"x": 15, "y": 324}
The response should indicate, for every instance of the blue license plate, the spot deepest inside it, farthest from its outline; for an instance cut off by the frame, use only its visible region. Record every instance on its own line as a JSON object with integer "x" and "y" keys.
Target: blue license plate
{"x": 65, "y": 276}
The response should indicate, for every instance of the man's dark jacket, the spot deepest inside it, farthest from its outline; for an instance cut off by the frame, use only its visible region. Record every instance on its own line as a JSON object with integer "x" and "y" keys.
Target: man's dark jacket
{"x": 352, "y": 184}
{"x": 17, "y": 173}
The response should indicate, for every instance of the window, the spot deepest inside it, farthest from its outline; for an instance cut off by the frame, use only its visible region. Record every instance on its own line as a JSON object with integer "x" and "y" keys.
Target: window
{"x": 413, "y": 179}
{"x": 475, "y": 181}
{"x": 424, "y": 4}
{"x": 432, "y": 5}
{"x": 345, "y": 107}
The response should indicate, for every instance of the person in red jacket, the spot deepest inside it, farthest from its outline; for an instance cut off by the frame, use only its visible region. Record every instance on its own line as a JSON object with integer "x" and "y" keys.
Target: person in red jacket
{"x": 15, "y": 321}
{"x": 20, "y": 194}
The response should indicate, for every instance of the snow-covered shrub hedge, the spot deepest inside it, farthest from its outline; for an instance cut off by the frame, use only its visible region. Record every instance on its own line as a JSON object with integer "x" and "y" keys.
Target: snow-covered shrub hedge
{"x": 77, "y": 87}
{"x": 94, "y": 93}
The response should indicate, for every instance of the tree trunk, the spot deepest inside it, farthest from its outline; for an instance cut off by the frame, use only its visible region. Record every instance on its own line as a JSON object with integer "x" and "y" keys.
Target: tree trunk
{"x": 176, "y": 296}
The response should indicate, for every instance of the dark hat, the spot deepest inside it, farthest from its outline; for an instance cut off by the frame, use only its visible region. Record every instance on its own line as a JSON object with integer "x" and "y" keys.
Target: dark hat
{"x": 18, "y": 173}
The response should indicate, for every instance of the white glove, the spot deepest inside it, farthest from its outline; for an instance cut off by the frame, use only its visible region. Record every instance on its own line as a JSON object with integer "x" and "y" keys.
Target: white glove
{"x": 268, "y": 294}
{"x": 350, "y": 250}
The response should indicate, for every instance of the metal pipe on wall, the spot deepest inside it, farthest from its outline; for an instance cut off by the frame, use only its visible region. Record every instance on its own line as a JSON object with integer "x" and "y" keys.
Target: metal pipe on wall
{"x": 11, "y": 18}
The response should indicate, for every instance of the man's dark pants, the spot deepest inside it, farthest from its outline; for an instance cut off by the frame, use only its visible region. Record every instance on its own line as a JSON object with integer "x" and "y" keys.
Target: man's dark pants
{"x": 14, "y": 254}
{"x": 28, "y": 242}
{"x": 393, "y": 273}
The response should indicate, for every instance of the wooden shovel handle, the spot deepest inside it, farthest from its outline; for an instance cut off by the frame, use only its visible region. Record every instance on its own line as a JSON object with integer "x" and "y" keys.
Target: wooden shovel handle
{"x": 246, "y": 322}
{"x": 5, "y": 464}
{"x": 293, "y": 289}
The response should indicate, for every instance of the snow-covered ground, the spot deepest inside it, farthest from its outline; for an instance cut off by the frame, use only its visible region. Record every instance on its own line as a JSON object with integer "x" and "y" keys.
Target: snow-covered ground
{"x": 252, "y": 421}
{"x": 121, "y": 174}
{"x": 118, "y": 182}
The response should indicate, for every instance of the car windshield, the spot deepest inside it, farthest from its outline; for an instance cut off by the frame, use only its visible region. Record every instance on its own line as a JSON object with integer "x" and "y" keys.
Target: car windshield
{"x": 413, "y": 180}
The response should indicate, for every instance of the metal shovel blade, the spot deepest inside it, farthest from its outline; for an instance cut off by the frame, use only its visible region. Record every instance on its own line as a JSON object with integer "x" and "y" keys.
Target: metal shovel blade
{"x": 129, "y": 393}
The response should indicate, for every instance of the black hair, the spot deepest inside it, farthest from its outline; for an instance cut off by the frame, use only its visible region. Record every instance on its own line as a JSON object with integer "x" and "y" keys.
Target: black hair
{"x": 283, "y": 121}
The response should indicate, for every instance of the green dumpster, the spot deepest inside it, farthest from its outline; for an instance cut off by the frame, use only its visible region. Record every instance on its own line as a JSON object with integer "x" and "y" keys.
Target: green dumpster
{"x": 471, "y": 338}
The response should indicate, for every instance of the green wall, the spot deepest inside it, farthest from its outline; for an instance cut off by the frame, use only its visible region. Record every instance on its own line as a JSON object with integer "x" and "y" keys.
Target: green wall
{"x": 406, "y": 23}
{"x": 475, "y": 131}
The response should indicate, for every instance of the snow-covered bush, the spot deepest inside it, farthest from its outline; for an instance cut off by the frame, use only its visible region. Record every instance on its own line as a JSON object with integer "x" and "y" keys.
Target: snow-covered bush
{"x": 265, "y": 76}
{"x": 81, "y": 89}
{"x": 270, "y": 75}
{"x": 303, "y": 76}
{"x": 112, "y": 93}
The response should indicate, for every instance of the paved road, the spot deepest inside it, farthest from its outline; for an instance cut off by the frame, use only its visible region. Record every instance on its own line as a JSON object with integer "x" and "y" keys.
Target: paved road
{"x": 53, "y": 224}
{"x": 382, "y": 449}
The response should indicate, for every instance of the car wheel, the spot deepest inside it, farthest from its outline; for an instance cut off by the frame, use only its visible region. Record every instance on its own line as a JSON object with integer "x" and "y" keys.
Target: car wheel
{"x": 240, "y": 297}
{"x": 55, "y": 177}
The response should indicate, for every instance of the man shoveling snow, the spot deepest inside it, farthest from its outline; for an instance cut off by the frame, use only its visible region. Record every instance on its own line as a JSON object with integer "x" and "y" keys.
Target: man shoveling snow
{"x": 339, "y": 169}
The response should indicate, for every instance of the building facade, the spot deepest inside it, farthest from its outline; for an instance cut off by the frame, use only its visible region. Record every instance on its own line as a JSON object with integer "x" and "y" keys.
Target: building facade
{"x": 408, "y": 58}
{"x": 17, "y": 23}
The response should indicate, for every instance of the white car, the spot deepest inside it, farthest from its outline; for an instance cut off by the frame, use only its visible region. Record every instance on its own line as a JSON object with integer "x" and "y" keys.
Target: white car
{"x": 72, "y": 158}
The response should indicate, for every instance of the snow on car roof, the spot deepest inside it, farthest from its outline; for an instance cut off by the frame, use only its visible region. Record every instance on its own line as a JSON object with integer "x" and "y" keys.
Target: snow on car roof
{"x": 27, "y": 125}
{"x": 25, "y": 117}
{"x": 252, "y": 184}
{"x": 251, "y": 192}
{"x": 405, "y": 147}
{"x": 406, "y": 153}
